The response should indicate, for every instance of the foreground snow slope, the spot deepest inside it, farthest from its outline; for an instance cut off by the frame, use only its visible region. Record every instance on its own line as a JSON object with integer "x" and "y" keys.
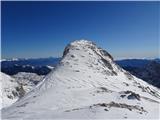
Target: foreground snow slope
{"x": 10, "y": 90}
{"x": 15, "y": 87}
{"x": 87, "y": 84}
{"x": 28, "y": 80}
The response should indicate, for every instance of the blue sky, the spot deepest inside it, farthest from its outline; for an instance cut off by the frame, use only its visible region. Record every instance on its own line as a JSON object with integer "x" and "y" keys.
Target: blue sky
{"x": 43, "y": 29}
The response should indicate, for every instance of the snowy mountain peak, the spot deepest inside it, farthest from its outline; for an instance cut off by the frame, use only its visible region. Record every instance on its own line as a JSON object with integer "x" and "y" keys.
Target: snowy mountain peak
{"x": 86, "y": 46}
{"x": 82, "y": 42}
{"x": 87, "y": 84}
{"x": 83, "y": 57}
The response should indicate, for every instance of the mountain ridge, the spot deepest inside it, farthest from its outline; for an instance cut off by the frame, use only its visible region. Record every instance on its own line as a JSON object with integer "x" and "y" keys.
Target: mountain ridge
{"x": 87, "y": 80}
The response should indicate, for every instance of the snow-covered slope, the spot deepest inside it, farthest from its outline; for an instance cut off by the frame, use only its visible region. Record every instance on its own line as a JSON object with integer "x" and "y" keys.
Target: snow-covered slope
{"x": 87, "y": 84}
{"x": 15, "y": 87}
{"x": 11, "y": 90}
{"x": 28, "y": 80}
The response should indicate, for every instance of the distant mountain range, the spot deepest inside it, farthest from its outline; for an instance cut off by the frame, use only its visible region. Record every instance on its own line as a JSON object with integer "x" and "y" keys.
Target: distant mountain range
{"x": 51, "y": 61}
{"x": 40, "y": 66}
{"x": 146, "y": 69}
{"x": 134, "y": 62}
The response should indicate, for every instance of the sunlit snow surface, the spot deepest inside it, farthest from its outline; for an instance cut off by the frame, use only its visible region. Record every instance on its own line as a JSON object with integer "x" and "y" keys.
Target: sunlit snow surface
{"x": 13, "y": 87}
{"x": 87, "y": 84}
{"x": 28, "y": 80}
{"x": 8, "y": 86}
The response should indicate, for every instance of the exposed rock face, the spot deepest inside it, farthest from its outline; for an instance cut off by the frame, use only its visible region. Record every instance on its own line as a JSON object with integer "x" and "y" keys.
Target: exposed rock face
{"x": 82, "y": 84}
{"x": 130, "y": 95}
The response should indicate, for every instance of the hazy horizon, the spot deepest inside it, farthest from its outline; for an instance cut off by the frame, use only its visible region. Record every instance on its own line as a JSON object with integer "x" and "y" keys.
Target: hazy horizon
{"x": 14, "y": 58}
